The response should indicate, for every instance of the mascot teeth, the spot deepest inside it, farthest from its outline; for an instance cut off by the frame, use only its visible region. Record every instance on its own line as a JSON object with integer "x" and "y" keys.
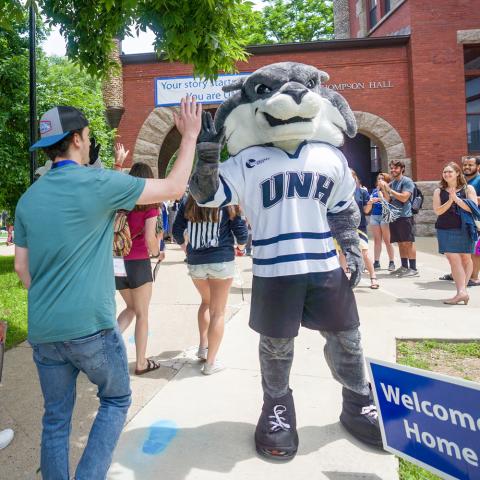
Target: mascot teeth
{"x": 275, "y": 122}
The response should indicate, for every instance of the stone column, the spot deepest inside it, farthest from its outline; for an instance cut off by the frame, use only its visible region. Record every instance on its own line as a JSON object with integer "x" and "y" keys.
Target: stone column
{"x": 112, "y": 90}
{"x": 341, "y": 20}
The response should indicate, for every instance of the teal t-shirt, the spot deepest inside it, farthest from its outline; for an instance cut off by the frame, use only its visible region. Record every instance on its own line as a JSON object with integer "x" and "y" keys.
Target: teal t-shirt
{"x": 65, "y": 219}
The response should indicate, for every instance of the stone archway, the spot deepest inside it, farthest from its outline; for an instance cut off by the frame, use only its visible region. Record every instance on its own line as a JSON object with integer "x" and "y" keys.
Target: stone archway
{"x": 385, "y": 137}
{"x": 152, "y": 135}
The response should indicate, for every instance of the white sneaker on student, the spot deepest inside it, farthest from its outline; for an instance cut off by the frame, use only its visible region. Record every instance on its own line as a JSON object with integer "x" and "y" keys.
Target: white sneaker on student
{"x": 209, "y": 369}
{"x": 202, "y": 353}
{"x": 6, "y": 436}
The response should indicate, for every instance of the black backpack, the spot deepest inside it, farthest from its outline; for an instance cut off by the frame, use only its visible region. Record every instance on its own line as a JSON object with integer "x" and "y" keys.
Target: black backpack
{"x": 417, "y": 199}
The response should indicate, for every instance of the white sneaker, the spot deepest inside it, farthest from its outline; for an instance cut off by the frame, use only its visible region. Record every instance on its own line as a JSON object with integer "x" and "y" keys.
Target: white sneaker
{"x": 6, "y": 436}
{"x": 202, "y": 353}
{"x": 209, "y": 369}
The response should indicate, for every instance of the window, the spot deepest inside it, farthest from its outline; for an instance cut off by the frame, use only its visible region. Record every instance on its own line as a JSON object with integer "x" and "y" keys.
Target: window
{"x": 373, "y": 12}
{"x": 386, "y": 6}
{"x": 472, "y": 94}
{"x": 472, "y": 87}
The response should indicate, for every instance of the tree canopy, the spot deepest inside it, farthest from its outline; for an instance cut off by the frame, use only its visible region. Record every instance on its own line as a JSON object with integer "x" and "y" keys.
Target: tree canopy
{"x": 287, "y": 21}
{"x": 59, "y": 82}
{"x": 200, "y": 33}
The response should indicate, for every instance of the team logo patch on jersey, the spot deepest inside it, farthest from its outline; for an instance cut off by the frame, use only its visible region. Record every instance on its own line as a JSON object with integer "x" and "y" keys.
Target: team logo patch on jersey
{"x": 45, "y": 126}
{"x": 252, "y": 162}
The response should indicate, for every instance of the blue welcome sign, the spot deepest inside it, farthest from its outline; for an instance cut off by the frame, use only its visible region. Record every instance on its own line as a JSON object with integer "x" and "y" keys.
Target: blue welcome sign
{"x": 431, "y": 420}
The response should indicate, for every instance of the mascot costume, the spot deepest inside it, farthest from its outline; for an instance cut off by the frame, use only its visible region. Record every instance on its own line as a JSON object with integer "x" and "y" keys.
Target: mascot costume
{"x": 282, "y": 129}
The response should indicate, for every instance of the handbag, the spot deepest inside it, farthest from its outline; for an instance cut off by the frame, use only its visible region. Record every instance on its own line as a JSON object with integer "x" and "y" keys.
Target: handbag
{"x": 389, "y": 212}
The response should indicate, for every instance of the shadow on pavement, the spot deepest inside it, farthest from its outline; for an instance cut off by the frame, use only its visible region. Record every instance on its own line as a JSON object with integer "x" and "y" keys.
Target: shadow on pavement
{"x": 436, "y": 285}
{"x": 171, "y": 453}
{"x": 427, "y": 302}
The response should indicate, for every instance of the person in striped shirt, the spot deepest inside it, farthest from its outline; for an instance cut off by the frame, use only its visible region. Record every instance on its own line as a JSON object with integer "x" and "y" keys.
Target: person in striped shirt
{"x": 210, "y": 233}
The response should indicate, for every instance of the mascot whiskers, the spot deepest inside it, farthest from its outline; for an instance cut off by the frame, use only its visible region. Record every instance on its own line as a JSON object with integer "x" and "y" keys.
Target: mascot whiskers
{"x": 282, "y": 129}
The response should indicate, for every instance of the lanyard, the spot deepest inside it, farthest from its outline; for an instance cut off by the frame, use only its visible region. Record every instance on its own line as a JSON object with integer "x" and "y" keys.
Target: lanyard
{"x": 62, "y": 163}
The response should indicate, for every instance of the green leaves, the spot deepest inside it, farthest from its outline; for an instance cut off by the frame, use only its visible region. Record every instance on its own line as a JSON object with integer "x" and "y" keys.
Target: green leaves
{"x": 58, "y": 82}
{"x": 201, "y": 33}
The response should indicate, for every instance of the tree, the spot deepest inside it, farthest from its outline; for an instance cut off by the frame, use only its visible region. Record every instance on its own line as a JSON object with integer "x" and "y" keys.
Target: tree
{"x": 285, "y": 21}
{"x": 59, "y": 82}
{"x": 202, "y": 33}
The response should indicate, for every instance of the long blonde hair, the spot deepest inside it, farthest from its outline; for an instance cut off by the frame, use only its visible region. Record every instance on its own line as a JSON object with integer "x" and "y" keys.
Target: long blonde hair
{"x": 197, "y": 214}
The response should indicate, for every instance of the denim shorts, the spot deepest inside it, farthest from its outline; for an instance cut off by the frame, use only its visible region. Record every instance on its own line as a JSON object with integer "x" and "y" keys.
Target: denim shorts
{"x": 221, "y": 270}
{"x": 376, "y": 220}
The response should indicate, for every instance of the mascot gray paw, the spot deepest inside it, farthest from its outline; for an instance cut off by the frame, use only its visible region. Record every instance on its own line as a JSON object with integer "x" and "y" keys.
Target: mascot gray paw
{"x": 353, "y": 256}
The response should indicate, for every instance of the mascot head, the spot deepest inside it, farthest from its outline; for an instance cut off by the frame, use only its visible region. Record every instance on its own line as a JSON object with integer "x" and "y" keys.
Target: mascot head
{"x": 284, "y": 104}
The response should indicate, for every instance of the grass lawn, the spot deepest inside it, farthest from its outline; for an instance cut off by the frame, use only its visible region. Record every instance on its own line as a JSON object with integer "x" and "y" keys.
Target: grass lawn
{"x": 13, "y": 302}
{"x": 459, "y": 359}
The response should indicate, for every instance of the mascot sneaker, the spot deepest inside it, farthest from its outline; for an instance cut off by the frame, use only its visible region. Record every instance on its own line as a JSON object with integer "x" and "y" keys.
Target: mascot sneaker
{"x": 276, "y": 434}
{"x": 359, "y": 416}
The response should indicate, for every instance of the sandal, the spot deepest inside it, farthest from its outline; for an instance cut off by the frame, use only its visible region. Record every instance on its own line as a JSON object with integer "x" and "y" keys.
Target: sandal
{"x": 447, "y": 276}
{"x": 374, "y": 284}
{"x": 151, "y": 366}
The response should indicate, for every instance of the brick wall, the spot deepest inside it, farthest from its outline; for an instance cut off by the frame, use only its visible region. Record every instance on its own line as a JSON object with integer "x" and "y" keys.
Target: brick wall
{"x": 437, "y": 71}
{"x": 397, "y": 21}
{"x": 350, "y": 66}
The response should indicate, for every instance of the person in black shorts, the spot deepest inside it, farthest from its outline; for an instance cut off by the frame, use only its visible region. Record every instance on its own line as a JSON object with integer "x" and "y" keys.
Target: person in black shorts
{"x": 399, "y": 194}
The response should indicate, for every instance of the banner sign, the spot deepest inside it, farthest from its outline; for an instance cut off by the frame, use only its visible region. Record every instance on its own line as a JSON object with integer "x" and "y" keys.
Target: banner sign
{"x": 170, "y": 90}
{"x": 429, "y": 419}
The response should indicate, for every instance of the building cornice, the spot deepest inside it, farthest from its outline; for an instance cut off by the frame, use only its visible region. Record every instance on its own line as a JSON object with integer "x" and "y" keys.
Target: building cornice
{"x": 343, "y": 44}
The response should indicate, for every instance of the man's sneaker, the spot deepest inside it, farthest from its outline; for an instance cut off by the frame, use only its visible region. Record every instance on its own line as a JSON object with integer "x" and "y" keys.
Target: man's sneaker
{"x": 376, "y": 265}
{"x": 360, "y": 417}
{"x": 202, "y": 353}
{"x": 6, "y": 436}
{"x": 276, "y": 434}
{"x": 391, "y": 266}
{"x": 409, "y": 273}
{"x": 399, "y": 271}
{"x": 211, "y": 368}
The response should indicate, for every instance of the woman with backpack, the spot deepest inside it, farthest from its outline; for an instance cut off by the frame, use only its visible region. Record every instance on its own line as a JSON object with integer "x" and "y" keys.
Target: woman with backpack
{"x": 211, "y": 264}
{"x": 135, "y": 283}
{"x": 454, "y": 240}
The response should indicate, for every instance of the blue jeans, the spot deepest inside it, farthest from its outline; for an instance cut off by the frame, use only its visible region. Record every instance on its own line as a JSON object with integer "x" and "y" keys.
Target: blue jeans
{"x": 103, "y": 358}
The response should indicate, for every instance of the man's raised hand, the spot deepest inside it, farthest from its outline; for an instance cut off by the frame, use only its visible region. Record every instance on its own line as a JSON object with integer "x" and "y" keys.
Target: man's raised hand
{"x": 189, "y": 120}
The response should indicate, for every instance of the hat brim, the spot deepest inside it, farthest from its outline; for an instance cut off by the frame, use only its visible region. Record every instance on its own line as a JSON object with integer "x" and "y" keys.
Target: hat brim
{"x": 48, "y": 141}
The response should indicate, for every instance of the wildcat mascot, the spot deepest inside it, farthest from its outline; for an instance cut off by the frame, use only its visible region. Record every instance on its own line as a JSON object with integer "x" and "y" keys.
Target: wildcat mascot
{"x": 282, "y": 128}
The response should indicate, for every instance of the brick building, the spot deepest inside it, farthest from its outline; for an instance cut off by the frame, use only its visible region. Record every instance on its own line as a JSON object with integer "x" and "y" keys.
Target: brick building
{"x": 410, "y": 70}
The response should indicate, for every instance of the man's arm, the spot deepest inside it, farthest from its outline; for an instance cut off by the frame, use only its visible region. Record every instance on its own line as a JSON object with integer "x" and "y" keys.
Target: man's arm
{"x": 391, "y": 194}
{"x": 188, "y": 124}
{"x": 21, "y": 265}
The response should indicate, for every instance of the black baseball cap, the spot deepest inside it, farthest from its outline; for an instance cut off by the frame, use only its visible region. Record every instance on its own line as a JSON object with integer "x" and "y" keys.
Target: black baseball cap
{"x": 57, "y": 123}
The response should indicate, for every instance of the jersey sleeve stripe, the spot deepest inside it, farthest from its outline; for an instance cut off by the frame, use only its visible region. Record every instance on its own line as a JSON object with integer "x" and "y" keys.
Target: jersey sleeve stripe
{"x": 227, "y": 191}
{"x": 291, "y": 236}
{"x": 294, "y": 258}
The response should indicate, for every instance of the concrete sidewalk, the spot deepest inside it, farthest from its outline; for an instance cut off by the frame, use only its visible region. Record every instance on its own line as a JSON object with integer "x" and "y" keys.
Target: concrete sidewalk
{"x": 183, "y": 425}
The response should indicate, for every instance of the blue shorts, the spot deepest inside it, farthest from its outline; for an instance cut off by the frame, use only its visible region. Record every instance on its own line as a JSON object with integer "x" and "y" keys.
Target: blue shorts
{"x": 318, "y": 301}
{"x": 376, "y": 220}
{"x": 219, "y": 271}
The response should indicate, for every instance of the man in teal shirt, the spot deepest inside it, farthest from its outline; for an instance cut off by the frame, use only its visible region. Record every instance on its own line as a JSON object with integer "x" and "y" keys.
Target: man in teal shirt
{"x": 63, "y": 255}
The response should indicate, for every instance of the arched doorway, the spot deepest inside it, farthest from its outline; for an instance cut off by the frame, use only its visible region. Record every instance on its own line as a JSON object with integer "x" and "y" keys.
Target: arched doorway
{"x": 363, "y": 157}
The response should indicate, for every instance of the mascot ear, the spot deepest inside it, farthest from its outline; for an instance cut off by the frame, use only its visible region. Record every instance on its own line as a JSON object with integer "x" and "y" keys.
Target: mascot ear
{"x": 323, "y": 76}
{"x": 234, "y": 86}
{"x": 345, "y": 119}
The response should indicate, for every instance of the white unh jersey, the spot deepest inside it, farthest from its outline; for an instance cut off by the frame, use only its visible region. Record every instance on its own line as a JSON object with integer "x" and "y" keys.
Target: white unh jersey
{"x": 286, "y": 199}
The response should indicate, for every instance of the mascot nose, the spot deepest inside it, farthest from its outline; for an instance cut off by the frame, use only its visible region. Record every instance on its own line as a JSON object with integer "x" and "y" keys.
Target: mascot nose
{"x": 296, "y": 93}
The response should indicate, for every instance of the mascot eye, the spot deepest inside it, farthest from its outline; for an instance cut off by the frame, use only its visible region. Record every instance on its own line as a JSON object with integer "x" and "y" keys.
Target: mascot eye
{"x": 311, "y": 83}
{"x": 261, "y": 89}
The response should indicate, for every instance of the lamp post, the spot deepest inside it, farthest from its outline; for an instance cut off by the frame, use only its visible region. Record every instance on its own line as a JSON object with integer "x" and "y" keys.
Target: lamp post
{"x": 33, "y": 89}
